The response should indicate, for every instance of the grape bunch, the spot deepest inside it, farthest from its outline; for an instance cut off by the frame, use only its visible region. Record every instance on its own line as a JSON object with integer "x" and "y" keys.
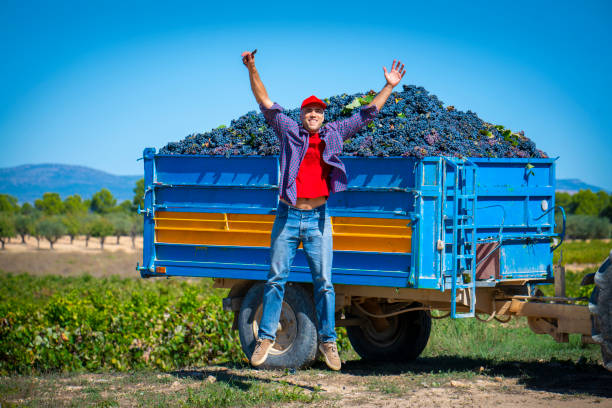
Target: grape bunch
{"x": 412, "y": 123}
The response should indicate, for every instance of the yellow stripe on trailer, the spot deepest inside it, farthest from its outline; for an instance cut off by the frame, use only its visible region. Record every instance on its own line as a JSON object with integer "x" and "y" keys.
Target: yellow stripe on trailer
{"x": 349, "y": 233}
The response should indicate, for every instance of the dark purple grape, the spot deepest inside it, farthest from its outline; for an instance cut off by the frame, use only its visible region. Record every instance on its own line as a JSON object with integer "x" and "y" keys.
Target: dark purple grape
{"x": 412, "y": 123}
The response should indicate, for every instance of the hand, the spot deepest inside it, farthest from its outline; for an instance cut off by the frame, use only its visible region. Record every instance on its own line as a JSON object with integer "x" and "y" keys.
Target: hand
{"x": 248, "y": 59}
{"x": 395, "y": 75}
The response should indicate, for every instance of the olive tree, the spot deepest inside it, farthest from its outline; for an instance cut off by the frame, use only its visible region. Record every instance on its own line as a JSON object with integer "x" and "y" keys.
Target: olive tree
{"x": 7, "y": 227}
{"x": 587, "y": 226}
{"x": 86, "y": 223}
{"x": 121, "y": 224}
{"x": 102, "y": 228}
{"x": 33, "y": 230}
{"x": 23, "y": 225}
{"x": 73, "y": 226}
{"x": 51, "y": 228}
{"x": 136, "y": 228}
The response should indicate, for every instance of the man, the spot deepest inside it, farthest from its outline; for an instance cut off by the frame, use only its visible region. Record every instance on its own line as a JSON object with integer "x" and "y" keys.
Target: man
{"x": 310, "y": 171}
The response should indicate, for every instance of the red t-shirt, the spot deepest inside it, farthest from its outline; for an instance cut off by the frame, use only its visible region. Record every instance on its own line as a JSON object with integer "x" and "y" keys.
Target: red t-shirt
{"x": 312, "y": 179}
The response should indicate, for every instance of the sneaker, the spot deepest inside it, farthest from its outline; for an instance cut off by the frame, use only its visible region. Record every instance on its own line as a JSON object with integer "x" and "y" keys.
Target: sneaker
{"x": 262, "y": 348}
{"x": 330, "y": 351}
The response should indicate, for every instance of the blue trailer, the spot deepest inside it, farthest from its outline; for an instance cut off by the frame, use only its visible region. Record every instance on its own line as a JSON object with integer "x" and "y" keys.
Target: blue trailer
{"x": 465, "y": 236}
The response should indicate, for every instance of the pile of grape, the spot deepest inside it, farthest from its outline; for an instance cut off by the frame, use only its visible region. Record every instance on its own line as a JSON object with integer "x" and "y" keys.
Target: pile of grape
{"x": 412, "y": 123}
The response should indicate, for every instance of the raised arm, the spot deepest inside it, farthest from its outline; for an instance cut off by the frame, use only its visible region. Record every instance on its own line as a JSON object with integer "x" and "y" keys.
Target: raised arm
{"x": 284, "y": 127}
{"x": 348, "y": 127}
{"x": 393, "y": 78}
{"x": 258, "y": 88}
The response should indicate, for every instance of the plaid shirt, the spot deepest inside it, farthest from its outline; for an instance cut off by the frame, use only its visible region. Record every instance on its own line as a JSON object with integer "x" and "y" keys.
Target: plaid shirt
{"x": 294, "y": 143}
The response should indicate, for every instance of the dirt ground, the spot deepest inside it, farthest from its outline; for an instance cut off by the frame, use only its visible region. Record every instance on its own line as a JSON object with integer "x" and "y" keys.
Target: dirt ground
{"x": 425, "y": 383}
{"x": 74, "y": 259}
{"x": 421, "y": 384}
{"x": 78, "y": 245}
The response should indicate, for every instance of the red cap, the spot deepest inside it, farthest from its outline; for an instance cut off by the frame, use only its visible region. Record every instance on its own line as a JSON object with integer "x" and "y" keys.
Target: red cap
{"x": 313, "y": 100}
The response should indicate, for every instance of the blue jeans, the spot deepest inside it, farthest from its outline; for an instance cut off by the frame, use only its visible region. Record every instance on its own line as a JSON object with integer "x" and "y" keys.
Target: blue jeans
{"x": 313, "y": 229}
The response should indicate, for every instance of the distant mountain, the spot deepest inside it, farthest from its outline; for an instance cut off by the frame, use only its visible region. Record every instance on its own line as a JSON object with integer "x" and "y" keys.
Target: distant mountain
{"x": 574, "y": 185}
{"x": 30, "y": 181}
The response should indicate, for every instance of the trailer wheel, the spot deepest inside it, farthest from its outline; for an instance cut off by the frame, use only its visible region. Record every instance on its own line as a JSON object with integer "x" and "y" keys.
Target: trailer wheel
{"x": 600, "y": 306}
{"x": 296, "y": 339}
{"x": 403, "y": 338}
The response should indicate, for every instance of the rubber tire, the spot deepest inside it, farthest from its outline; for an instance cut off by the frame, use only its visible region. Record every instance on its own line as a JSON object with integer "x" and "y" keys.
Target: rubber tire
{"x": 303, "y": 350}
{"x": 409, "y": 339}
{"x": 600, "y": 306}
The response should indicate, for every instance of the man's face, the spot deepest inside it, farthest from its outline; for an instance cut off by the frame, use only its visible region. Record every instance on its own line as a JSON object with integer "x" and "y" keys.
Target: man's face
{"x": 312, "y": 118}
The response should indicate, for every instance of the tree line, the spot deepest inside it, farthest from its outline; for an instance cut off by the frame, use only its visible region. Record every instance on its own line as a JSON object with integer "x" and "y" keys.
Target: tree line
{"x": 589, "y": 214}
{"x": 51, "y": 218}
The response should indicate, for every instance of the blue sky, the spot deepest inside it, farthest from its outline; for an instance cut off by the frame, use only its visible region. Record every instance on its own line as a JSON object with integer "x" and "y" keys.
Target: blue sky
{"x": 93, "y": 83}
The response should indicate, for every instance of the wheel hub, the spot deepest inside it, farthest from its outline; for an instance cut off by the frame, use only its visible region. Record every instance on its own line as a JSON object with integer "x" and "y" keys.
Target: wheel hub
{"x": 286, "y": 332}
{"x": 383, "y": 337}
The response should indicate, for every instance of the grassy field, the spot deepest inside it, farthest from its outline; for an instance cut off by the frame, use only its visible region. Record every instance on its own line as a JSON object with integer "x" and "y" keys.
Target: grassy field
{"x": 113, "y": 340}
{"x": 72, "y": 323}
{"x": 460, "y": 350}
{"x": 583, "y": 252}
